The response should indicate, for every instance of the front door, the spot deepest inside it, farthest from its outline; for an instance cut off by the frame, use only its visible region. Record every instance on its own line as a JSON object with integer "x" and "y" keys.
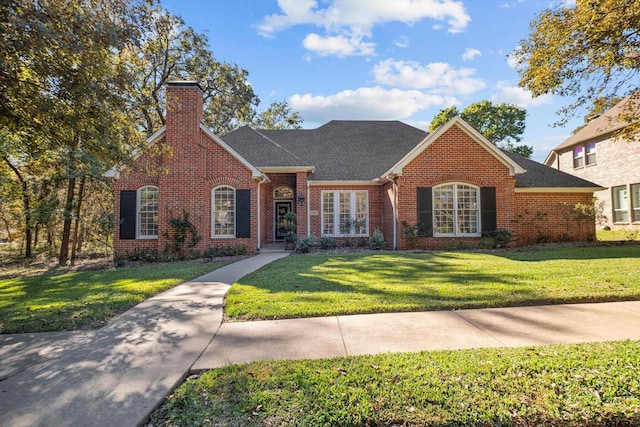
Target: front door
{"x": 282, "y": 208}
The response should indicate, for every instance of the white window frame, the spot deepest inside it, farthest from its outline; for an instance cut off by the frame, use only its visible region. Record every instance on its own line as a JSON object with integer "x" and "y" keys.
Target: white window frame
{"x": 335, "y": 215}
{"x": 620, "y": 206}
{"x": 578, "y": 159}
{"x": 139, "y": 212}
{"x": 455, "y": 210}
{"x": 635, "y": 202}
{"x": 214, "y": 211}
{"x": 590, "y": 157}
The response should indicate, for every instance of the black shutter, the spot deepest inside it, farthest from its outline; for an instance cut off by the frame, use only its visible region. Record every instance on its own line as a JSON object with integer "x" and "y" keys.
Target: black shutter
{"x": 488, "y": 208}
{"x": 425, "y": 211}
{"x": 243, "y": 213}
{"x": 128, "y": 214}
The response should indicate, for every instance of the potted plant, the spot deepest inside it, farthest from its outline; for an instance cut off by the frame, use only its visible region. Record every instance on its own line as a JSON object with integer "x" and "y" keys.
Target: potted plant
{"x": 291, "y": 237}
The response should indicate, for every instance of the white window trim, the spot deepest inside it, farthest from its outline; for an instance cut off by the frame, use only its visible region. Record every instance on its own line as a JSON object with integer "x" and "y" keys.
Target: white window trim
{"x": 628, "y": 209}
{"x": 336, "y": 211}
{"x": 138, "y": 219}
{"x": 455, "y": 210}
{"x": 213, "y": 213}
{"x": 633, "y": 199}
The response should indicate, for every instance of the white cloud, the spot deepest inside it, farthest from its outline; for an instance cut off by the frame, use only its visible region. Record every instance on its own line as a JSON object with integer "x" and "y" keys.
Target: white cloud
{"x": 337, "y": 45}
{"x": 369, "y": 103}
{"x": 356, "y": 18}
{"x": 518, "y": 96}
{"x": 470, "y": 54}
{"x": 438, "y": 77}
{"x": 403, "y": 41}
{"x": 364, "y": 14}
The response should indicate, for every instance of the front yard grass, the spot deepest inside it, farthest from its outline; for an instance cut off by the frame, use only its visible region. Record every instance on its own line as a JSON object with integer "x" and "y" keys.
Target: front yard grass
{"x": 71, "y": 301}
{"x": 322, "y": 285}
{"x": 562, "y": 385}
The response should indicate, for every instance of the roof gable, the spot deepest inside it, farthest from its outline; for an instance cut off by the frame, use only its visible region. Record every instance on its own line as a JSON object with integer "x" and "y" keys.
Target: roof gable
{"x": 514, "y": 167}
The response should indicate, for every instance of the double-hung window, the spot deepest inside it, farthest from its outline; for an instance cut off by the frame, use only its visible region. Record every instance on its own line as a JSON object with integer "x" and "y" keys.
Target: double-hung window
{"x": 223, "y": 212}
{"x": 456, "y": 210}
{"x": 147, "y": 212}
{"x": 620, "y": 204}
{"x": 345, "y": 213}
{"x": 635, "y": 196}
{"x": 584, "y": 155}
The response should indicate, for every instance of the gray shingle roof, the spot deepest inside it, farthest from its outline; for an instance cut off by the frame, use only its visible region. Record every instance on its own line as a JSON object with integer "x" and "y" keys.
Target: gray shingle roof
{"x": 339, "y": 150}
{"x": 538, "y": 175}
{"x": 362, "y": 151}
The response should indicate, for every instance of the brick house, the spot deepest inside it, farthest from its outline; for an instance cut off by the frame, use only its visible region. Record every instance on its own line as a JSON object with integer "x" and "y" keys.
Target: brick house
{"x": 595, "y": 154}
{"x": 343, "y": 179}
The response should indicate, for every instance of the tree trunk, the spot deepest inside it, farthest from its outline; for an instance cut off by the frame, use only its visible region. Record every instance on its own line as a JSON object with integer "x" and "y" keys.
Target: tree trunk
{"x": 66, "y": 229}
{"x": 76, "y": 243}
{"x": 27, "y": 209}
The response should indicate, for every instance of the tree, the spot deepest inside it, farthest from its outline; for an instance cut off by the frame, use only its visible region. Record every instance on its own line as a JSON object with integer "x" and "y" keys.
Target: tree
{"x": 502, "y": 124}
{"x": 171, "y": 50}
{"x": 584, "y": 52}
{"x": 65, "y": 84}
{"x": 278, "y": 116}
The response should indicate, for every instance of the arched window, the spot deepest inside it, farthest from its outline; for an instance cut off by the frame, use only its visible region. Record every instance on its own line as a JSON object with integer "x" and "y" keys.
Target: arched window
{"x": 456, "y": 210}
{"x": 147, "y": 212}
{"x": 283, "y": 192}
{"x": 223, "y": 212}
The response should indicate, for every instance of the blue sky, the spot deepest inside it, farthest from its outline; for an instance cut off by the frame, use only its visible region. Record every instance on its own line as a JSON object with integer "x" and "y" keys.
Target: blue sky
{"x": 380, "y": 59}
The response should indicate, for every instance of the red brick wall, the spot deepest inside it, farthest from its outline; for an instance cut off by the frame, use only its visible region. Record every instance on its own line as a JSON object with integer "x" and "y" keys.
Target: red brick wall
{"x": 545, "y": 217}
{"x": 456, "y": 157}
{"x": 187, "y": 176}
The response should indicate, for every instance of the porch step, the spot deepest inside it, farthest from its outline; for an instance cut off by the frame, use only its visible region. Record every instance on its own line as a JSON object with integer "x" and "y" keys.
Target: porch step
{"x": 273, "y": 247}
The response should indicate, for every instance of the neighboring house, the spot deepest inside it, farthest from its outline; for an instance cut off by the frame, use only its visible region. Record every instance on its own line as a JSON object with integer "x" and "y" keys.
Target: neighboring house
{"x": 594, "y": 153}
{"x": 343, "y": 179}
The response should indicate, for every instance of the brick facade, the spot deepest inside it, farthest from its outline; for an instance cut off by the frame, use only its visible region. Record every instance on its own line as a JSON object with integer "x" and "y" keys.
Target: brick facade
{"x": 186, "y": 163}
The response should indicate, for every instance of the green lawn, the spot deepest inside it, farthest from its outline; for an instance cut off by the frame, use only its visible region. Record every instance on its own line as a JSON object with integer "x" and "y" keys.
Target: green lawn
{"x": 560, "y": 385}
{"x": 70, "y": 301}
{"x": 320, "y": 285}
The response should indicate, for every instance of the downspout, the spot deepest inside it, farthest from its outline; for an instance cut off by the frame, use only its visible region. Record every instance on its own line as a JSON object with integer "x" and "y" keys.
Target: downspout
{"x": 395, "y": 214}
{"x": 308, "y": 210}
{"x": 258, "y": 215}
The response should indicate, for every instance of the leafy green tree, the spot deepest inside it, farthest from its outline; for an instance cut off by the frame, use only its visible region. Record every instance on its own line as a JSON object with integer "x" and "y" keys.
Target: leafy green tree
{"x": 278, "y": 116}
{"x": 171, "y": 50}
{"x": 502, "y": 124}
{"x": 65, "y": 83}
{"x": 584, "y": 52}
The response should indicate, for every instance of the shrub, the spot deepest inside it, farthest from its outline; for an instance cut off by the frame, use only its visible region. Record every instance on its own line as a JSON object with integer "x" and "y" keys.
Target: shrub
{"x": 327, "y": 242}
{"x": 236, "y": 250}
{"x": 376, "y": 242}
{"x": 306, "y": 243}
{"x": 146, "y": 255}
{"x": 496, "y": 238}
{"x": 411, "y": 233}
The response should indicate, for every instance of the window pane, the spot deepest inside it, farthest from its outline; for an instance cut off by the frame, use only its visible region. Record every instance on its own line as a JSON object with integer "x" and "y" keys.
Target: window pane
{"x": 443, "y": 209}
{"x": 635, "y": 195}
{"x": 361, "y": 213}
{"x": 344, "y": 216}
{"x": 590, "y": 149}
{"x": 328, "y": 219}
{"x": 467, "y": 209}
{"x": 148, "y": 212}
{"x": 620, "y": 204}
{"x": 578, "y": 159}
{"x": 224, "y": 211}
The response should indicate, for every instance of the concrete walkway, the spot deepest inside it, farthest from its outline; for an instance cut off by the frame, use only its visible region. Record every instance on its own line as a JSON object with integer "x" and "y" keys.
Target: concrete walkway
{"x": 117, "y": 375}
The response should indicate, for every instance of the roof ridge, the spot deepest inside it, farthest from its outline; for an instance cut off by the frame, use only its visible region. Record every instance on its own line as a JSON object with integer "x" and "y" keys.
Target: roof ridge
{"x": 304, "y": 162}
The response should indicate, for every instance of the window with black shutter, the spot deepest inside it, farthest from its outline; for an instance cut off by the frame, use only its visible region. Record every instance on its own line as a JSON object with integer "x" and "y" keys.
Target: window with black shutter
{"x": 425, "y": 211}
{"x": 128, "y": 214}
{"x": 243, "y": 213}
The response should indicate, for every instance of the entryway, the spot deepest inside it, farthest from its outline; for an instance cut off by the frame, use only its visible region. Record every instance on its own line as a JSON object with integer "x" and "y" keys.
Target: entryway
{"x": 282, "y": 208}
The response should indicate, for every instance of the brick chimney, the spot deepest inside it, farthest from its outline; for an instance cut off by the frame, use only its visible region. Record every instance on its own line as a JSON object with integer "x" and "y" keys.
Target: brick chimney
{"x": 181, "y": 188}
